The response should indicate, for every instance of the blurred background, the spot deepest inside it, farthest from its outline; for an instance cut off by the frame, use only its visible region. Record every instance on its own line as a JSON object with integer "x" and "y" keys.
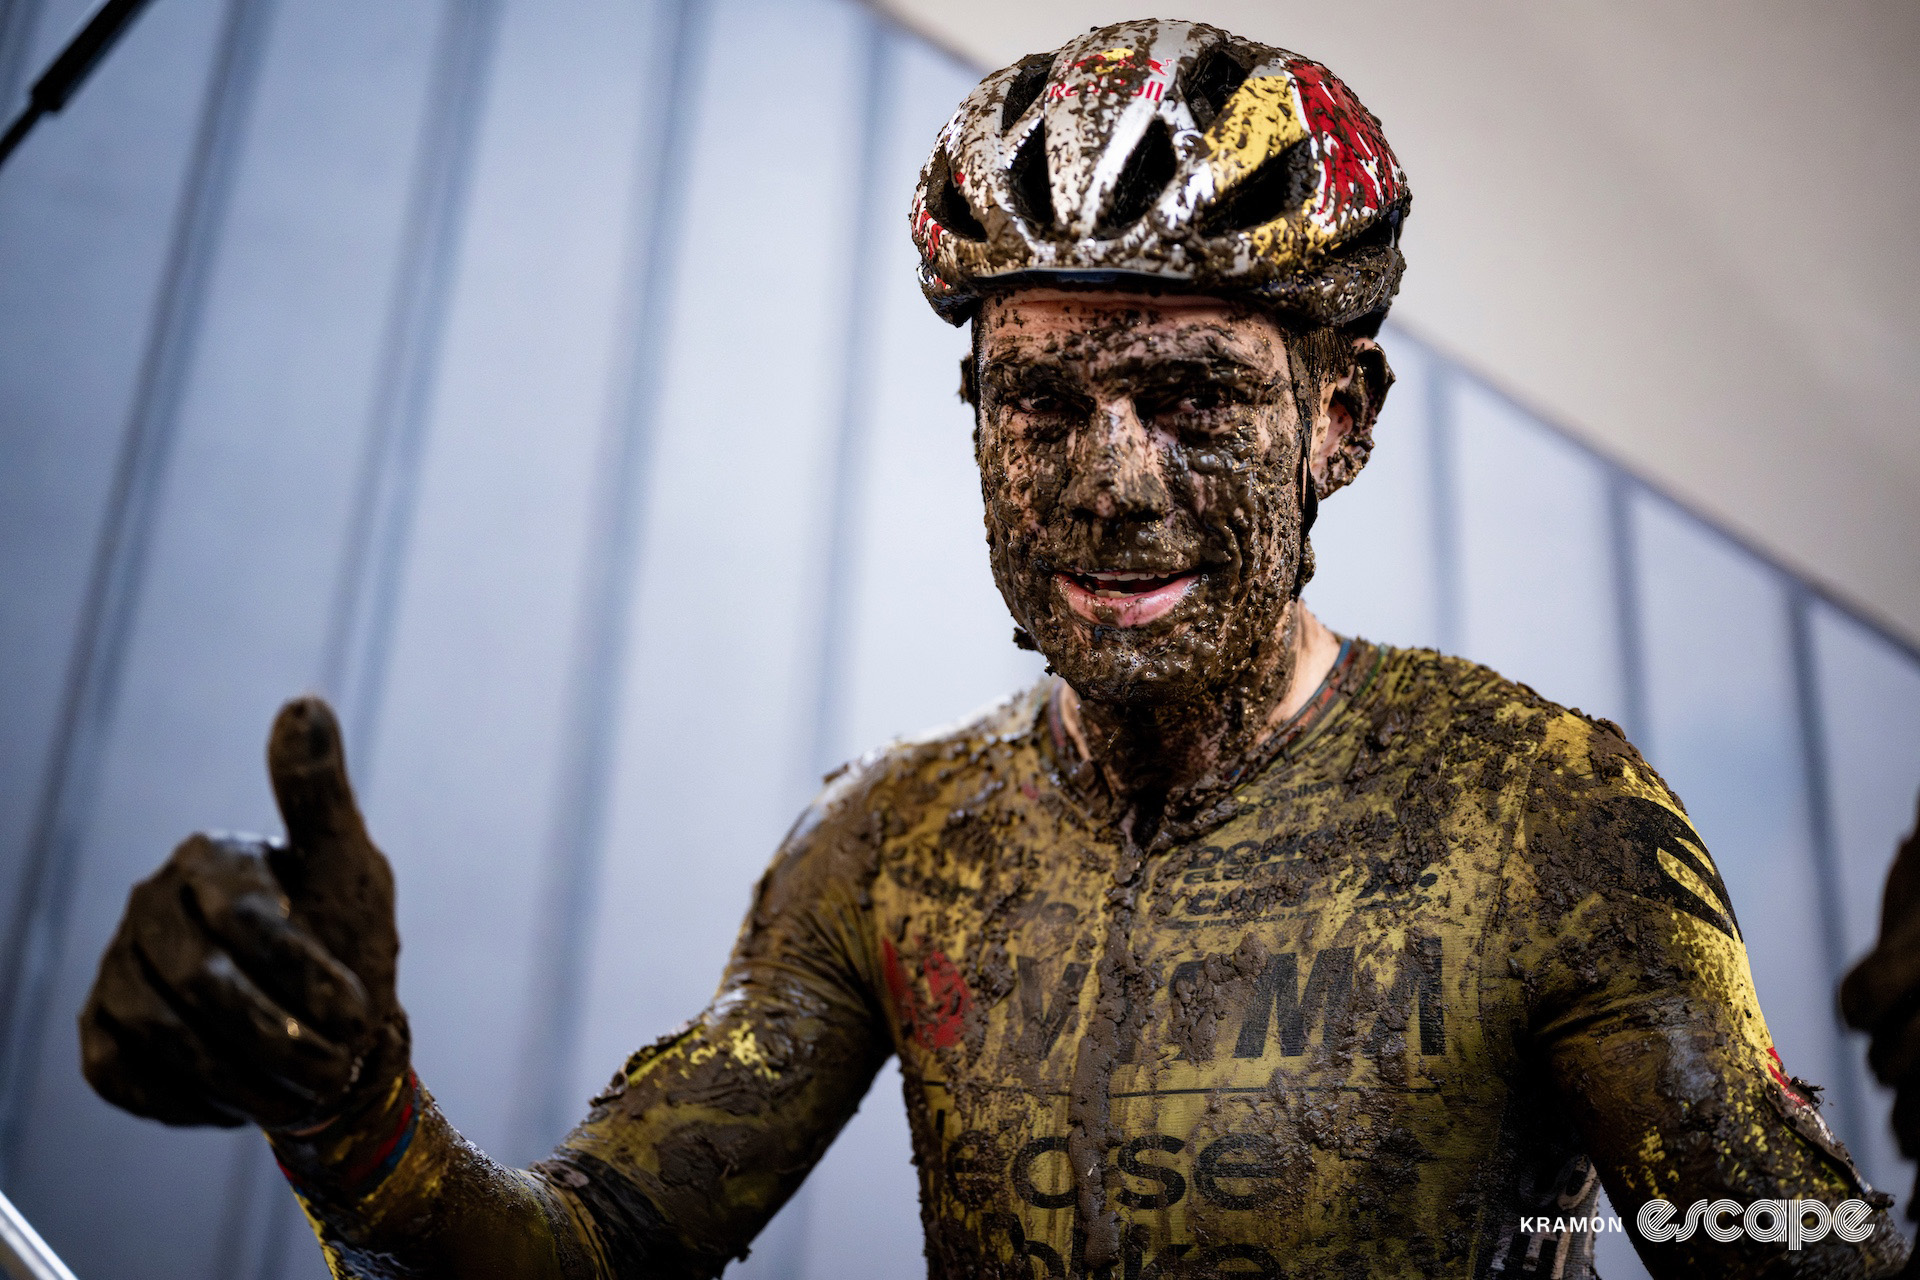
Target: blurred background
{"x": 545, "y": 381}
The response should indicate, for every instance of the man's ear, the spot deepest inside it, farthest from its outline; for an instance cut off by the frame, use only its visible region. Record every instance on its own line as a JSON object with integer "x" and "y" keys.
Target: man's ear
{"x": 1349, "y": 406}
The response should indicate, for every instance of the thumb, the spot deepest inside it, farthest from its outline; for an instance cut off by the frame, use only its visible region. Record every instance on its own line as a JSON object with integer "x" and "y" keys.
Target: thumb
{"x": 337, "y": 883}
{"x": 308, "y": 764}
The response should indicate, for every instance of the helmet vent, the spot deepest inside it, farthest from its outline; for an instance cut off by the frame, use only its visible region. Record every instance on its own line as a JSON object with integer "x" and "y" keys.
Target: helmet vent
{"x": 1026, "y": 86}
{"x": 1208, "y": 81}
{"x": 1145, "y": 175}
{"x": 1280, "y": 186}
{"x": 948, "y": 207}
{"x": 1028, "y": 183}
{"x": 1383, "y": 234}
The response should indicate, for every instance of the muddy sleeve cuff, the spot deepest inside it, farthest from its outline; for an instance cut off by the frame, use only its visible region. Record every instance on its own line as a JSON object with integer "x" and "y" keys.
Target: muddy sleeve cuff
{"x": 397, "y": 1192}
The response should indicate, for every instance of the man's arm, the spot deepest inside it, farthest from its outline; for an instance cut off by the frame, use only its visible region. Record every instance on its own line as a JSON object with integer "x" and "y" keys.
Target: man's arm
{"x": 254, "y": 982}
{"x": 693, "y": 1146}
{"x": 1645, "y": 1015}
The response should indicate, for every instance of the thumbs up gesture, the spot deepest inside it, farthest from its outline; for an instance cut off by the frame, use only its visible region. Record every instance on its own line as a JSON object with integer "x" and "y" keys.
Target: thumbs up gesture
{"x": 253, "y": 980}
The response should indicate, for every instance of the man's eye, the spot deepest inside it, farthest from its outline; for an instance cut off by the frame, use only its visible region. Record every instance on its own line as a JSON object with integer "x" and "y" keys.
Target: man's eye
{"x": 1040, "y": 402}
{"x": 1201, "y": 400}
{"x": 1188, "y": 402}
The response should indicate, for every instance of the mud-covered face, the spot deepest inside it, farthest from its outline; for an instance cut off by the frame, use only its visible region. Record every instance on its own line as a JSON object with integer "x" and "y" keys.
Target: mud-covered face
{"x": 1140, "y": 461}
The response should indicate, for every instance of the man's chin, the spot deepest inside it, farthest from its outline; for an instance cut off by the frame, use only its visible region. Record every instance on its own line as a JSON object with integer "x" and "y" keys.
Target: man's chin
{"x": 1126, "y": 668}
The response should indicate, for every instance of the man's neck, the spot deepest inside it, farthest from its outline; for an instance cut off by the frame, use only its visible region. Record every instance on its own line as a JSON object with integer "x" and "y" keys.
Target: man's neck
{"x": 1150, "y": 756}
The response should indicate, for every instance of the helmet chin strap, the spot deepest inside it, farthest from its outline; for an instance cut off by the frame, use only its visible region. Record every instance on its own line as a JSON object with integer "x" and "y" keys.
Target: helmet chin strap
{"x": 1309, "y": 508}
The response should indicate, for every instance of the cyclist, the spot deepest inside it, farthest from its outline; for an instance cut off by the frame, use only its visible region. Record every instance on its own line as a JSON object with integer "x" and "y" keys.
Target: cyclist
{"x": 1232, "y": 948}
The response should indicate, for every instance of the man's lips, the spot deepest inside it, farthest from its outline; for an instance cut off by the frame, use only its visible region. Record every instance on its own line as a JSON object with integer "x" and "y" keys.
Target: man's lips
{"x": 1124, "y": 599}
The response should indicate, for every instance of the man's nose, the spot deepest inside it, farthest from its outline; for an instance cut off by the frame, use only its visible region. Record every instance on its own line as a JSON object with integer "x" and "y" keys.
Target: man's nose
{"x": 1115, "y": 465}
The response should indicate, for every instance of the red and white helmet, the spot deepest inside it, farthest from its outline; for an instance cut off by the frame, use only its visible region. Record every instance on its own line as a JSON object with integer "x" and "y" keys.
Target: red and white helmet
{"x": 1166, "y": 152}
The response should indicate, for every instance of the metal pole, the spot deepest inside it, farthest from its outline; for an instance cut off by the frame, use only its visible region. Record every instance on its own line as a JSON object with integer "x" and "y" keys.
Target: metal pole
{"x": 103, "y": 632}
{"x": 574, "y": 845}
{"x": 75, "y": 63}
{"x": 1444, "y": 528}
{"x": 1823, "y": 839}
{"x": 23, "y": 1254}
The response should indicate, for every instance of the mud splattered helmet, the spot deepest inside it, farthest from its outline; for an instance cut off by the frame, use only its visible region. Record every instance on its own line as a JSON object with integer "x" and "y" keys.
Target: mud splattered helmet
{"x": 1166, "y": 152}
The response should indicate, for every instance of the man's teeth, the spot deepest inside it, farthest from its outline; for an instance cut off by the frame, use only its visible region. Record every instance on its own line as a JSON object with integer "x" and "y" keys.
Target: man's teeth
{"x": 1123, "y": 583}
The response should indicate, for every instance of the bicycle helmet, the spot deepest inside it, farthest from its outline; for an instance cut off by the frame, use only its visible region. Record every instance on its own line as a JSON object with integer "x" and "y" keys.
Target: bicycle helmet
{"x": 1171, "y": 154}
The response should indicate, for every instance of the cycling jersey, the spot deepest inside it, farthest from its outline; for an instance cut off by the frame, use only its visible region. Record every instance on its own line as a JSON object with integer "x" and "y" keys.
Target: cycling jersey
{"x": 1394, "y": 1000}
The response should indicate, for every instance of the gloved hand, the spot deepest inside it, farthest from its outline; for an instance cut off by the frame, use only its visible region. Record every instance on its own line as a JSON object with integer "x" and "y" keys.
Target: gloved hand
{"x": 253, "y": 980}
{"x": 1882, "y": 997}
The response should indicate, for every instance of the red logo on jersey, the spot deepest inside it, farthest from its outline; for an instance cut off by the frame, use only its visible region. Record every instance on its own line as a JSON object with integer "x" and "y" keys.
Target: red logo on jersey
{"x": 936, "y": 1018}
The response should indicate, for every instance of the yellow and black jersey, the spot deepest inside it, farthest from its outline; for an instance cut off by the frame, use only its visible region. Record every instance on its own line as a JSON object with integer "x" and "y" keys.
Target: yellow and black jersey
{"x": 1398, "y": 1002}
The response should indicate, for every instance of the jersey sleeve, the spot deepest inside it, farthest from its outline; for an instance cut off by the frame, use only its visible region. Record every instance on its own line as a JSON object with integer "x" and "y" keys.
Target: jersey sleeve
{"x": 702, "y": 1136}
{"x": 693, "y": 1146}
{"x": 1643, "y": 1014}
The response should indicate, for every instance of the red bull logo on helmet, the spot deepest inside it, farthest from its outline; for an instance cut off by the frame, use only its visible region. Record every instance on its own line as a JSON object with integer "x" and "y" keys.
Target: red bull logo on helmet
{"x": 1122, "y": 72}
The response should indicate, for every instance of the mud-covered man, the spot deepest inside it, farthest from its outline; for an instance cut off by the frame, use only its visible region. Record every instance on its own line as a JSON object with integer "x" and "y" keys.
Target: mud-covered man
{"x": 1233, "y": 948}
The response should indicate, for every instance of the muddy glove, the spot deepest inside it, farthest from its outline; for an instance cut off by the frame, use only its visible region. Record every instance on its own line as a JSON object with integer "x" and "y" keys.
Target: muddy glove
{"x": 253, "y": 980}
{"x": 1882, "y": 997}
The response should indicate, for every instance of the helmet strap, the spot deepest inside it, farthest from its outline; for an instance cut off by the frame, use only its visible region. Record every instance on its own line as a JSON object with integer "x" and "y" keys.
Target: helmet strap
{"x": 1309, "y": 508}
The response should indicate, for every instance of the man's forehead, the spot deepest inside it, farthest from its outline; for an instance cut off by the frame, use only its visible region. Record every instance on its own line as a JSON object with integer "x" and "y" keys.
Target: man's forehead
{"x": 1092, "y": 325}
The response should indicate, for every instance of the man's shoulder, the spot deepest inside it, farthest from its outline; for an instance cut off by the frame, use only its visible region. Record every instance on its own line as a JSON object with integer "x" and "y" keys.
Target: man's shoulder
{"x": 936, "y": 756}
{"x": 1442, "y": 707}
{"x": 891, "y": 784}
{"x": 1591, "y": 804}
{"x": 1467, "y": 700}
{"x": 1596, "y": 816}
{"x": 834, "y": 847}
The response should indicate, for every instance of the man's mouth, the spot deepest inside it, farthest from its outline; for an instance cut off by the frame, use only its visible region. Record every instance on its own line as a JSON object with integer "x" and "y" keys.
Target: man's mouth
{"x": 1124, "y": 598}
